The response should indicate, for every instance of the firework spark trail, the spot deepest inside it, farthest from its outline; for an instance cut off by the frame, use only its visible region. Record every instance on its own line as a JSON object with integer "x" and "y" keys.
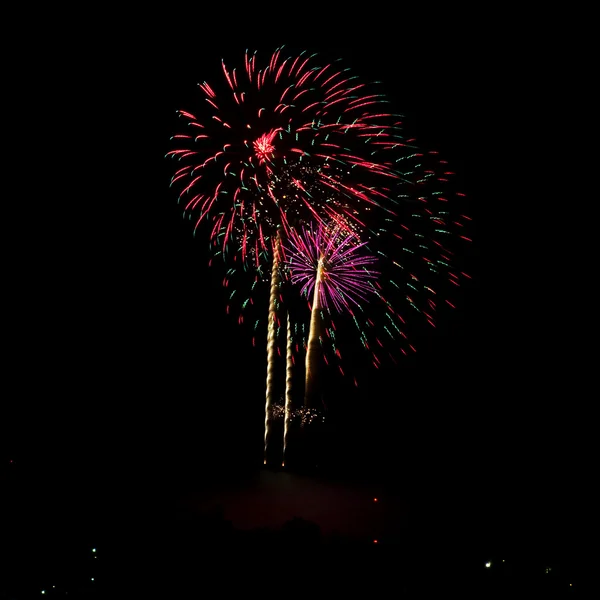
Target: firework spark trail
{"x": 329, "y": 263}
{"x": 312, "y": 350}
{"x": 271, "y": 347}
{"x": 289, "y": 363}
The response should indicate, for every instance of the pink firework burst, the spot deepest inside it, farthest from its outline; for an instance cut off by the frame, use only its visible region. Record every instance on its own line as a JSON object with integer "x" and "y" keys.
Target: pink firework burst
{"x": 329, "y": 256}
{"x": 297, "y": 141}
{"x": 291, "y": 139}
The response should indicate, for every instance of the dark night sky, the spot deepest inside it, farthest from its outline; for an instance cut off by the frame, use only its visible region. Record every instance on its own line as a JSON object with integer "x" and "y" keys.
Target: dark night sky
{"x": 120, "y": 353}
{"x": 113, "y": 273}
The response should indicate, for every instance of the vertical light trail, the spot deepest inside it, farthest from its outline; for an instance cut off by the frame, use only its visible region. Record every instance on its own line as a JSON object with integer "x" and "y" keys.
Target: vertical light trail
{"x": 313, "y": 346}
{"x": 271, "y": 345}
{"x": 289, "y": 367}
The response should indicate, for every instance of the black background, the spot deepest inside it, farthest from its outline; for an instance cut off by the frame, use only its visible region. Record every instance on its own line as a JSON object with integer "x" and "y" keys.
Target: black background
{"x": 121, "y": 366}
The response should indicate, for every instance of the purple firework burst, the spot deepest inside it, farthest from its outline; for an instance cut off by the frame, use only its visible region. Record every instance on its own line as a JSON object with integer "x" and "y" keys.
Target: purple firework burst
{"x": 330, "y": 257}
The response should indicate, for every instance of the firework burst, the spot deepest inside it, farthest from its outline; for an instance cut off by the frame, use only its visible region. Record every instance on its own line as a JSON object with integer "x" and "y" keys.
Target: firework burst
{"x": 300, "y": 140}
{"x": 291, "y": 139}
{"x": 328, "y": 257}
{"x": 293, "y": 145}
{"x": 326, "y": 261}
